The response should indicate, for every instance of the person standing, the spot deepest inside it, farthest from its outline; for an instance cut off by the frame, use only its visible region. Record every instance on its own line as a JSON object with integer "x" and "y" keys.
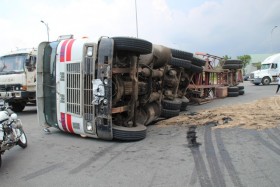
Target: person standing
{"x": 278, "y": 83}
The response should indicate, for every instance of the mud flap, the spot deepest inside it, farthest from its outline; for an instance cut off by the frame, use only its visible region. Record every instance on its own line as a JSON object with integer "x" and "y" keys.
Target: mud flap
{"x": 102, "y": 89}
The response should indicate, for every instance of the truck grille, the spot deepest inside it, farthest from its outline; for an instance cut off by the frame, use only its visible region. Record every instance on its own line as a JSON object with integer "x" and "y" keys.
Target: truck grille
{"x": 88, "y": 88}
{"x": 73, "y": 88}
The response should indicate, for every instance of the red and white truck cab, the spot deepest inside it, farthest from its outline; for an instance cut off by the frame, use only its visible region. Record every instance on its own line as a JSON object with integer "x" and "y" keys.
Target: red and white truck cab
{"x": 109, "y": 89}
{"x": 75, "y": 88}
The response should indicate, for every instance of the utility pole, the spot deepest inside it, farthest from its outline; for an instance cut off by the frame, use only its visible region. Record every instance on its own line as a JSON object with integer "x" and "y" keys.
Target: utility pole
{"x": 136, "y": 18}
{"x": 271, "y": 36}
{"x": 47, "y": 26}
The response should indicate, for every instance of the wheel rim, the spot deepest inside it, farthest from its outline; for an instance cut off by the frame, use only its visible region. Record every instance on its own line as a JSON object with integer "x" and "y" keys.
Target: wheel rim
{"x": 266, "y": 81}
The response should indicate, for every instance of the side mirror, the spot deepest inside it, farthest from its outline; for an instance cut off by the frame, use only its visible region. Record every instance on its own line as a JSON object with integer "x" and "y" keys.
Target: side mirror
{"x": 28, "y": 61}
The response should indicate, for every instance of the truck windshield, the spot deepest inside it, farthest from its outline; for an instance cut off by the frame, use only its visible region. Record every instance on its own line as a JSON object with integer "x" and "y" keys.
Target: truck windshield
{"x": 265, "y": 66}
{"x": 12, "y": 63}
{"x": 49, "y": 87}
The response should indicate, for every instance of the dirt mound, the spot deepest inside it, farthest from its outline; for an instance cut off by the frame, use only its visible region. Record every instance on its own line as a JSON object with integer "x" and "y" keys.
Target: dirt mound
{"x": 260, "y": 114}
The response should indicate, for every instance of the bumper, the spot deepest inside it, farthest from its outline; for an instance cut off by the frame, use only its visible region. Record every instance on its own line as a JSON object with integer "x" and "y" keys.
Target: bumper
{"x": 256, "y": 81}
{"x": 18, "y": 95}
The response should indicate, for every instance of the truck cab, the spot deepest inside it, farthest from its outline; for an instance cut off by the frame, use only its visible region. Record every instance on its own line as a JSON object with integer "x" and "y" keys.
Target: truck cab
{"x": 18, "y": 78}
{"x": 92, "y": 88}
{"x": 270, "y": 69}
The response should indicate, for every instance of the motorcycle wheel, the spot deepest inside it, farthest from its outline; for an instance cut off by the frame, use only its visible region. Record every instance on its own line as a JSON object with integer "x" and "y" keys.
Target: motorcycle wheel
{"x": 22, "y": 142}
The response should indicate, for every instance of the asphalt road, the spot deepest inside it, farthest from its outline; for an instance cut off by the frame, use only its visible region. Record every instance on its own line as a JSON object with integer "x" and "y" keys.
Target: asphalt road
{"x": 226, "y": 157}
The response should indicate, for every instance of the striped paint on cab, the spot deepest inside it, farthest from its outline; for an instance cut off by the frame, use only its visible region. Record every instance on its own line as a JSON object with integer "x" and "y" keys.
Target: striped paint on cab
{"x": 66, "y": 50}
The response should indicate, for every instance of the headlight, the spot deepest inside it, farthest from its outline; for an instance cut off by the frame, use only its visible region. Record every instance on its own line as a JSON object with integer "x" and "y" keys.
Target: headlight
{"x": 14, "y": 116}
{"x": 89, "y": 126}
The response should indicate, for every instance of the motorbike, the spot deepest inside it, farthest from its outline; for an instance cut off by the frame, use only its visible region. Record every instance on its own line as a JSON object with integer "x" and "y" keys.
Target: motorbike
{"x": 11, "y": 130}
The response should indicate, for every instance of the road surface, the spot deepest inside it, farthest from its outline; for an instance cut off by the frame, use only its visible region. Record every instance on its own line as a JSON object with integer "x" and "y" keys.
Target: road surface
{"x": 226, "y": 157}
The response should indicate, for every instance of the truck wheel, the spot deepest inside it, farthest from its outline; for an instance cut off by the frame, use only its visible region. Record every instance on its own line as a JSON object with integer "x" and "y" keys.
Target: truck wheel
{"x": 185, "y": 102}
{"x": 266, "y": 81}
{"x": 198, "y": 61}
{"x": 180, "y": 63}
{"x": 181, "y": 54}
{"x": 169, "y": 113}
{"x": 233, "y": 62}
{"x": 233, "y": 89}
{"x": 135, "y": 45}
{"x": 129, "y": 133}
{"x": 241, "y": 92}
{"x": 232, "y": 66}
{"x": 196, "y": 69}
{"x": 240, "y": 87}
{"x": 171, "y": 104}
{"x": 17, "y": 106}
{"x": 233, "y": 94}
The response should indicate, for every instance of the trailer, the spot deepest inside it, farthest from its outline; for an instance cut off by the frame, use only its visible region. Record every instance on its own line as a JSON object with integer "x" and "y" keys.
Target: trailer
{"x": 218, "y": 79}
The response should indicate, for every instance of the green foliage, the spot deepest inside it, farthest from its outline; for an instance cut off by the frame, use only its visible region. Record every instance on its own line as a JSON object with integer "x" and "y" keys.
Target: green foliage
{"x": 245, "y": 59}
{"x": 257, "y": 65}
{"x": 226, "y": 57}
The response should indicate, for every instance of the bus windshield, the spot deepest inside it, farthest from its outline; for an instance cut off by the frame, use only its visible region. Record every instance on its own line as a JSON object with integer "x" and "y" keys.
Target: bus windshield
{"x": 12, "y": 63}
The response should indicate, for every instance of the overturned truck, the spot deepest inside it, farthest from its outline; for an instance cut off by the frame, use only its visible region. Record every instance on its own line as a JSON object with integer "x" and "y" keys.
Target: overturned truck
{"x": 111, "y": 89}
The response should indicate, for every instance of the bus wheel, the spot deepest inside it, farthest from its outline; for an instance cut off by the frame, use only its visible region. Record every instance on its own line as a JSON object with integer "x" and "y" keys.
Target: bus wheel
{"x": 129, "y": 133}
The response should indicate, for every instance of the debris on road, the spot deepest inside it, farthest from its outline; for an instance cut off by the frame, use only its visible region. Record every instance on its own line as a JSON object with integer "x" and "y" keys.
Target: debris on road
{"x": 260, "y": 114}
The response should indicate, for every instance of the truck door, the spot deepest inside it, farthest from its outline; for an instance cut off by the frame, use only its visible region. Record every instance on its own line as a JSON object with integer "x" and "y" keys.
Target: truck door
{"x": 274, "y": 70}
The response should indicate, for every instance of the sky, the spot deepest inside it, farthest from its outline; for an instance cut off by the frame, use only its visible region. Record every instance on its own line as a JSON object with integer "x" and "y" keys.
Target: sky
{"x": 217, "y": 27}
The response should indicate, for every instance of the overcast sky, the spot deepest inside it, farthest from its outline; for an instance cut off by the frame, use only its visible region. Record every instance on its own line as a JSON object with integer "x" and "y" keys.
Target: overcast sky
{"x": 218, "y": 27}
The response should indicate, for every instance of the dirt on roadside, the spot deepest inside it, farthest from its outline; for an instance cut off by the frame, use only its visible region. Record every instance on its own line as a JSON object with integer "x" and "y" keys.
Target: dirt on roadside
{"x": 260, "y": 114}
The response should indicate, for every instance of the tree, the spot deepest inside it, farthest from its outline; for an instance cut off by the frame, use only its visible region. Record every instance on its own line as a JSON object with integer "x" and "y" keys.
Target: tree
{"x": 226, "y": 57}
{"x": 245, "y": 59}
{"x": 257, "y": 65}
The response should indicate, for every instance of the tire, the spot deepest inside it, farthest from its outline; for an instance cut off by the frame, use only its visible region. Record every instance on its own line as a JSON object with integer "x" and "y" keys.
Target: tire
{"x": 240, "y": 87}
{"x": 0, "y": 160}
{"x": 185, "y": 102}
{"x": 198, "y": 62}
{"x": 232, "y": 66}
{"x": 241, "y": 92}
{"x": 134, "y": 45}
{"x": 266, "y": 81}
{"x": 233, "y": 62}
{"x": 180, "y": 63}
{"x": 171, "y": 104}
{"x": 233, "y": 94}
{"x": 169, "y": 113}
{"x": 181, "y": 54}
{"x": 129, "y": 133}
{"x": 233, "y": 89}
{"x": 17, "y": 106}
{"x": 196, "y": 69}
{"x": 22, "y": 142}
{"x": 256, "y": 84}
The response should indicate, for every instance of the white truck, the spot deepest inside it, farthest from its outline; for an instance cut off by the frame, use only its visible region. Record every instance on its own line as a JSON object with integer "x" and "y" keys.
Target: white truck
{"x": 18, "y": 78}
{"x": 270, "y": 69}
